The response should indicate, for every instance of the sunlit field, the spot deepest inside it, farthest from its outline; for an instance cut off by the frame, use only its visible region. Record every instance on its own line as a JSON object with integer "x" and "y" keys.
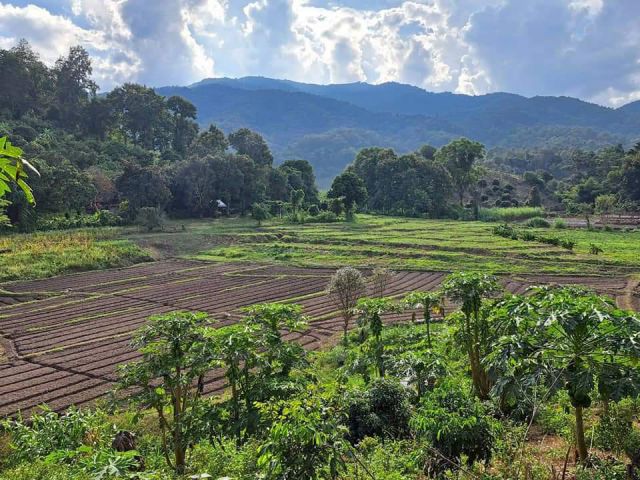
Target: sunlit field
{"x": 420, "y": 244}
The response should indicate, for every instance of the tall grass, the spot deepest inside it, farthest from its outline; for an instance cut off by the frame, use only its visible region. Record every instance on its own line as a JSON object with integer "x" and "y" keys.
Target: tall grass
{"x": 40, "y": 255}
{"x": 510, "y": 214}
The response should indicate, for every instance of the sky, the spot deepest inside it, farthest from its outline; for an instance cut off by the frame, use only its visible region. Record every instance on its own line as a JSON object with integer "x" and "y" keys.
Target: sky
{"x": 582, "y": 48}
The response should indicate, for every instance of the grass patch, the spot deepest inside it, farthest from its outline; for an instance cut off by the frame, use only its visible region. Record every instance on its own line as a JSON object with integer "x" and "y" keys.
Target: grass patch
{"x": 510, "y": 214}
{"x": 418, "y": 244}
{"x": 39, "y": 255}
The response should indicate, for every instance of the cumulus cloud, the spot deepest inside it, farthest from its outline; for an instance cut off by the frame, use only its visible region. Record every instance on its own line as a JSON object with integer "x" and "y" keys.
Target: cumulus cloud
{"x": 586, "y": 48}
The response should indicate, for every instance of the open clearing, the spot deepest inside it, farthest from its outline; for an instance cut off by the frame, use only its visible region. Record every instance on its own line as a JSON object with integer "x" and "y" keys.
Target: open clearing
{"x": 62, "y": 340}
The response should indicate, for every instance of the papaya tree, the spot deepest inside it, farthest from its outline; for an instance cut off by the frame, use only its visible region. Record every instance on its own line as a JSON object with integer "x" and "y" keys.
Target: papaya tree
{"x": 258, "y": 362}
{"x": 370, "y": 311}
{"x": 428, "y": 302}
{"x": 473, "y": 326}
{"x": 176, "y": 355}
{"x": 575, "y": 340}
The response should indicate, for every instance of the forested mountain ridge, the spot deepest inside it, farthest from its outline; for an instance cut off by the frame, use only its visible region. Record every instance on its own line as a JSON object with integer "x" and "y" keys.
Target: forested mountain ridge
{"x": 296, "y": 118}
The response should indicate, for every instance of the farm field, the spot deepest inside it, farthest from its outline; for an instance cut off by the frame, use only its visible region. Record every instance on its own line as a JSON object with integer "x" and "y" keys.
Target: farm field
{"x": 62, "y": 343}
{"x": 419, "y": 244}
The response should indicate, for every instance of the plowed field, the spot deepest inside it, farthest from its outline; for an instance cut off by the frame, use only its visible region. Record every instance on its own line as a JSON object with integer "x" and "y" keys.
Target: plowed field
{"x": 61, "y": 344}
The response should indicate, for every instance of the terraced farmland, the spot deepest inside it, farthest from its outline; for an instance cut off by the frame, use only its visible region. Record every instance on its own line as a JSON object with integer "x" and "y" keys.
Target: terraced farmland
{"x": 61, "y": 343}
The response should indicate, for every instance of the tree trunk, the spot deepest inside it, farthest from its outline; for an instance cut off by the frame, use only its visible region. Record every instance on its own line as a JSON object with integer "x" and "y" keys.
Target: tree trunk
{"x": 580, "y": 441}
{"x": 427, "y": 321}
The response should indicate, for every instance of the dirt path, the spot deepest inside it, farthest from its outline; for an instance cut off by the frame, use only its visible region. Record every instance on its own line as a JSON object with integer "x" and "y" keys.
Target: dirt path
{"x": 629, "y": 299}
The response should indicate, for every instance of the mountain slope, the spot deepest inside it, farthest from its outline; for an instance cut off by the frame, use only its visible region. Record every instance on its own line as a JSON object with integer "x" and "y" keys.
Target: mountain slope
{"x": 327, "y": 124}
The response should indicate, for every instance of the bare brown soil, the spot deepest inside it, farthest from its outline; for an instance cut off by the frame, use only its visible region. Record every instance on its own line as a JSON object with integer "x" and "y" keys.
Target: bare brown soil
{"x": 63, "y": 348}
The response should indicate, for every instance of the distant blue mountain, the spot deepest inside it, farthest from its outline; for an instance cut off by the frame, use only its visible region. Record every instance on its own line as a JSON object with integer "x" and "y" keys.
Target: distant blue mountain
{"x": 327, "y": 124}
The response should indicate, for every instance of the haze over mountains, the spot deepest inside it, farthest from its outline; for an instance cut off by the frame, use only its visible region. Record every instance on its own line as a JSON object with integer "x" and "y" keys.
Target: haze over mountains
{"x": 328, "y": 124}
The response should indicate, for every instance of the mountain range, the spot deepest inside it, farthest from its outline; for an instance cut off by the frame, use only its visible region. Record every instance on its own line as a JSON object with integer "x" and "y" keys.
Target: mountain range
{"x": 328, "y": 124}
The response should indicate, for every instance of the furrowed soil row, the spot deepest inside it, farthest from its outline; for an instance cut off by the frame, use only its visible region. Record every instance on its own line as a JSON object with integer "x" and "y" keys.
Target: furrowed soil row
{"x": 66, "y": 348}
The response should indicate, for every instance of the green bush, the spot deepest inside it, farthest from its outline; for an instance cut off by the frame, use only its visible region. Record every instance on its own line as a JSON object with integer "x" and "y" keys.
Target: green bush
{"x": 382, "y": 410}
{"x": 324, "y": 217}
{"x": 615, "y": 426}
{"x": 47, "y": 432}
{"x": 150, "y": 218}
{"x": 456, "y": 424}
{"x": 559, "y": 224}
{"x": 101, "y": 218}
{"x": 537, "y": 222}
{"x": 509, "y": 214}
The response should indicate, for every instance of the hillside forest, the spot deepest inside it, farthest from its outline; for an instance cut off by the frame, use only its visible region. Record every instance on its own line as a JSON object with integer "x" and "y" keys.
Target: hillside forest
{"x": 134, "y": 154}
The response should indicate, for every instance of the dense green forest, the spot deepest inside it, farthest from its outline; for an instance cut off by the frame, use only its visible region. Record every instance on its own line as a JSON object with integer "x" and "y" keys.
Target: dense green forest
{"x": 328, "y": 124}
{"x": 135, "y": 154}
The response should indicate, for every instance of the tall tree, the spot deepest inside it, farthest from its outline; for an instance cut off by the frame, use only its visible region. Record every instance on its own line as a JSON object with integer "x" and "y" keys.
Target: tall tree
{"x": 25, "y": 82}
{"x": 250, "y": 143}
{"x": 210, "y": 142}
{"x": 460, "y": 157}
{"x": 185, "y": 129}
{"x": 139, "y": 115}
{"x": 74, "y": 86}
{"x": 300, "y": 176}
{"x": 351, "y": 188}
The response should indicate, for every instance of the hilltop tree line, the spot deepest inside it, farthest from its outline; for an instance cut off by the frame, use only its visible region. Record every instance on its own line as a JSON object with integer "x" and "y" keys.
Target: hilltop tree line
{"x": 129, "y": 149}
{"x": 132, "y": 149}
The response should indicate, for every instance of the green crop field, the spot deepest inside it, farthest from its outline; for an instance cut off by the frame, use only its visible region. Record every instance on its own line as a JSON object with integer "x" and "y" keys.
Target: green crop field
{"x": 419, "y": 244}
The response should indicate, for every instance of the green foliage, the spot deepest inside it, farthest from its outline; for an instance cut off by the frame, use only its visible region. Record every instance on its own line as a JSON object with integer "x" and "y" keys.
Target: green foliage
{"x": 306, "y": 439}
{"x": 251, "y": 144}
{"x": 537, "y": 222}
{"x": 176, "y": 350}
{"x": 260, "y": 213}
{"x": 569, "y": 338}
{"x": 510, "y": 214}
{"x": 13, "y": 170}
{"x": 456, "y": 424}
{"x": 382, "y": 410}
{"x": 559, "y": 224}
{"x": 460, "y": 157}
{"x": 351, "y": 189}
{"x": 150, "y": 218}
{"x": 428, "y": 302}
{"x": 47, "y": 432}
{"x": 615, "y": 426}
{"x": 475, "y": 331}
{"x": 101, "y": 218}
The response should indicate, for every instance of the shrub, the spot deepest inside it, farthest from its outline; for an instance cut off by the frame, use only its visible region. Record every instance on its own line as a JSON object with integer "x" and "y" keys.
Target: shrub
{"x": 306, "y": 440}
{"x": 150, "y": 218}
{"x": 313, "y": 210}
{"x": 509, "y": 214}
{"x": 260, "y": 213}
{"x": 456, "y": 424}
{"x": 382, "y": 410}
{"x": 324, "y": 217}
{"x": 559, "y": 224}
{"x": 537, "y": 222}
{"x": 568, "y": 244}
{"x": 614, "y": 427}
{"x": 101, "y": 218}
{"x": 595, "y": 249}
{"x": 48, "y": 432}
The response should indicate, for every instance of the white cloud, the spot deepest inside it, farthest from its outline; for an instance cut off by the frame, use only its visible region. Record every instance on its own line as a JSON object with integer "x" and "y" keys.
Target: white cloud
{"x": 587, "y": 48}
